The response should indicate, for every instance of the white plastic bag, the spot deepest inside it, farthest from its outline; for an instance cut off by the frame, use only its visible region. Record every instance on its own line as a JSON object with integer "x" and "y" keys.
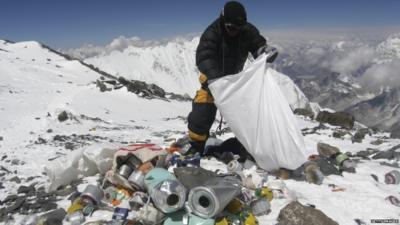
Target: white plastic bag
{"x": 260, "y": 117}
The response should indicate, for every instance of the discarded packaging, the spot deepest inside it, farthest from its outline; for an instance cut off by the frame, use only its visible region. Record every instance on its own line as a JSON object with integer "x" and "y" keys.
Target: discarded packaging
{"x": 150, "y": 215}
{"x": 120, "y": 214}
{"x": 235, "y": 206}
{"x": 146, "y": 167}
{"x": 209, "y": 200}
{"x": 260, "y": 207}
{"x": 167, "y": 193}
{"x": 186, "y": 161}
{"x": 393, "y": 177}
{"x": 92, "y": 194}
{"x": 264, "y": 192}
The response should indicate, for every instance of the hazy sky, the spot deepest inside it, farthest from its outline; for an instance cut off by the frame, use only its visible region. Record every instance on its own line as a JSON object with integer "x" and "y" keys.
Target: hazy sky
{"x": 70, "y": 23}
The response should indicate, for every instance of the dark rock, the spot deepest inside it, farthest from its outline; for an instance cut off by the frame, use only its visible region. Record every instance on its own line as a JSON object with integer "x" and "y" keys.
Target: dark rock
{"x": 375, "y": 177}
{"x": 1, "y": 138}
{"x": 48, "y": 206}
{"x": 342, "y": 119}
{"x": 327, "y": 151}
{"x": 394, "y": 165}
{"x": 16, "y": 180}
{"x": 26, "y": 189}
{"x": 360, "y": 134}
{"x": 366, "y": 153}
{"x": 297, "y": 214}
{"x": 339, "y": 133}
{"x": 63, "y": 116}
{"x": 178, "y": 97}
{"x": 15, "y": 162}
{"x": 60, "y": 138}
{"x": 54, "y": 217}
{"x": 395, "y": 130}
{"x": 384, "y": 155}
{"x": 70, "y": 146}
{"x": 10, "y": 198}
{"x": 49, "y": 131}
{"x": 304, "y": 112}
{"x": 326, "y": 167}
{"x": 17, "y": 204}
{"x": 102, "y": 86}
{"x": 4, "y": 157}
{"x": 377, "y": 142}
{"x": 65, "y": 191}
{"x": 1, "y": 185}
{"x": 40, "y": 141}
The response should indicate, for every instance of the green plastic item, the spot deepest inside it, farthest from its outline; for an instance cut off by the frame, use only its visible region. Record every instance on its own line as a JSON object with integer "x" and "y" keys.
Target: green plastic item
{"x": 177, "y": 218}
{"x": 341, "y": 158}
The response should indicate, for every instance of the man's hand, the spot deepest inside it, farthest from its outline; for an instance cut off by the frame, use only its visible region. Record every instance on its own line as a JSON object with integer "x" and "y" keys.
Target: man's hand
{"x": 270, "y": 51}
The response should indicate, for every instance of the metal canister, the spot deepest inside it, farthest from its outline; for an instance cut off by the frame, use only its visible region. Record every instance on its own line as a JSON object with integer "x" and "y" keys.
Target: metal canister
{"x": 234, "y": 166}
{"x": 133, "y": 162}
{"x": 125, "y": 170}
{"x": 76, "y": 218}
{"x": 393, "y": 200}
{"x": 136, "y": 180}
{"x": 209, "y": 200}
{"x": 92, "y": 193}
{"x": 393, "y": 177}
{"x": 167, "y": 193}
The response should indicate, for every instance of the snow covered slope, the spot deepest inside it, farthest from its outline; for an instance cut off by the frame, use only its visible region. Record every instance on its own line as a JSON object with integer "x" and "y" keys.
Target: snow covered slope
{"x": 36, "y": 85}
{"x": 170, "y": 66}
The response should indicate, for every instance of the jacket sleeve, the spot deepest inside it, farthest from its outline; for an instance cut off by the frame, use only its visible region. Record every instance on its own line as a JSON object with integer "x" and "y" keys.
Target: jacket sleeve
{"x": 256, "y": 40}
{"x": 207, "y": 58}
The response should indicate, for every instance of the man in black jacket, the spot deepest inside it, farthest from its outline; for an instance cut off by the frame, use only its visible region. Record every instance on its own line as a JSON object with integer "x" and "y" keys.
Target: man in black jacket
{"x": 223, "y": 50}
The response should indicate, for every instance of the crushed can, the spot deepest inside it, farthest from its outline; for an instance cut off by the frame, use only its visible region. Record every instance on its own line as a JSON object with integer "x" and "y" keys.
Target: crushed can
{"x": 125, "y": 171}
{"x": 234, "y": 166}
{"x": 138, "y": 200}
{"x": 76, "y": 218}
{"x": 92, "y": 194}
{"x": 167, "y": 193}
{"x": 260, "y": 207}
{"x": 393, "y": 177}
{"x": 393, "y": 200}
{"x": 210, "y": 199}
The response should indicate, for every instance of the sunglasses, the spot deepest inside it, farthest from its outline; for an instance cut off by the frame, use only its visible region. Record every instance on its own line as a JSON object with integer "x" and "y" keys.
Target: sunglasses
{"x": 233, "y": 27}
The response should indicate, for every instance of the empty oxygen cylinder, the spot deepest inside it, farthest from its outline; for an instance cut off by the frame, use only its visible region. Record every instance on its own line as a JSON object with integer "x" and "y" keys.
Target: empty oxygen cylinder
{"x": 210, "y": 199}
{"x": 167, "y": 193}
{"x": 393, "y": 177}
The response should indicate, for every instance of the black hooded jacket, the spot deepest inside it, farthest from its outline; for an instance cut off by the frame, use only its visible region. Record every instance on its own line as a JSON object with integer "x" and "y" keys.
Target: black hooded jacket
{"x": 219, "y": 54}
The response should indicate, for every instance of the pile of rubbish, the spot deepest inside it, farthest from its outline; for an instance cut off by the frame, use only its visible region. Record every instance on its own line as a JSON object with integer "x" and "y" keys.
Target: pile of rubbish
{"x": 146, "y": 184}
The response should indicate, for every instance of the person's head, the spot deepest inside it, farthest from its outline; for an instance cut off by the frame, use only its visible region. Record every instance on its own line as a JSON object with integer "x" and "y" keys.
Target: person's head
{"x": 234, "y": 17}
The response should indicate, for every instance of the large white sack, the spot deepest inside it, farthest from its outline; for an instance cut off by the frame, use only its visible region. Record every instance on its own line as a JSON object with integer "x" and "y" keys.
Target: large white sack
{"x": 260, "y": 116}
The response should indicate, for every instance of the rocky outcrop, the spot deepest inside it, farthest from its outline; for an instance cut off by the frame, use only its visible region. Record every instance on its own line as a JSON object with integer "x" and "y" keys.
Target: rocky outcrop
{"x": 298, "y": 214}
{"x": 343, "y": 119}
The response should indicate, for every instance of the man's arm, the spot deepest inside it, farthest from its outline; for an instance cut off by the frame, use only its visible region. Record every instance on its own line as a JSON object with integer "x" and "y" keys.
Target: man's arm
{"x": 207, "y": 54}
{"x": 259, "y": 45}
